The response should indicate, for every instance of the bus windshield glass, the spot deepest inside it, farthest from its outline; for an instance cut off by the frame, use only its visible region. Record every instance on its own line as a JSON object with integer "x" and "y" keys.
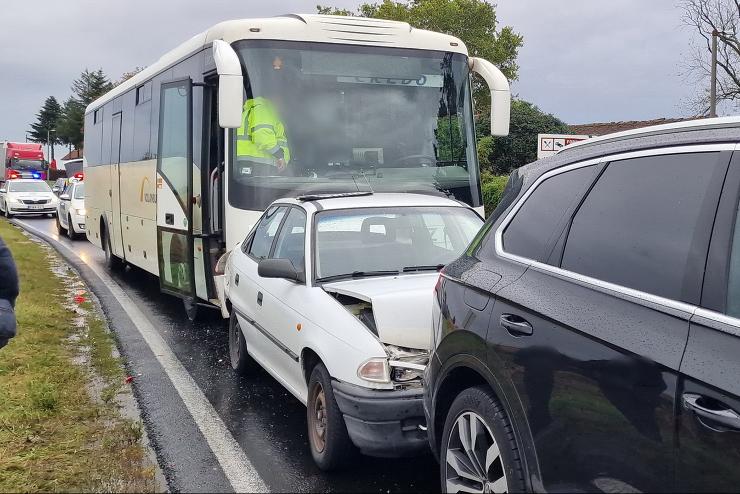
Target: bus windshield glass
{"x": 322, "y": 118}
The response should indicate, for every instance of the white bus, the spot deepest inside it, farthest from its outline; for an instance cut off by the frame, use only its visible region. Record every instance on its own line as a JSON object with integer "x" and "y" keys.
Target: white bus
{"x": 364, "y": 102}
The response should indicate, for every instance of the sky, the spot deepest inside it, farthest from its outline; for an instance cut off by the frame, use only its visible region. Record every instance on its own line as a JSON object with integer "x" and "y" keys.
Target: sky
{"x": 582, "y": 60}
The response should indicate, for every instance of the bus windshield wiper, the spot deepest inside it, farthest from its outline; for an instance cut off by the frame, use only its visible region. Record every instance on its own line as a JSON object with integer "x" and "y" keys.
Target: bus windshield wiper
{"x": 429, "y": 267}
{"x": 356, "y": 274}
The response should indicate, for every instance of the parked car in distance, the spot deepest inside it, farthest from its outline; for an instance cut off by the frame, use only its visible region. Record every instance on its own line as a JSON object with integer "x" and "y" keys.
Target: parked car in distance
{"x": 71, "y": 210}
{"x": 24, "y": 197}
{"x": 332, "y": 296}
{"x": 59, "y": 185}
{"x": 589, "y": 339}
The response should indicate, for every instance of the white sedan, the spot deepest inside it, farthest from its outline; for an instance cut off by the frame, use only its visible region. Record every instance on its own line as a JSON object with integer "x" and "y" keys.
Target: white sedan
{"x": 71, "y": 210}
{"x": 332, "y": 295}
{"x": 27, "y": 197}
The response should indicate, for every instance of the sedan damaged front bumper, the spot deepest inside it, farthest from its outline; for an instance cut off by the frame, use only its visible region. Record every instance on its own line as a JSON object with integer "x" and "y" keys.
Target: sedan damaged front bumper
{"x": 385, "y": 423}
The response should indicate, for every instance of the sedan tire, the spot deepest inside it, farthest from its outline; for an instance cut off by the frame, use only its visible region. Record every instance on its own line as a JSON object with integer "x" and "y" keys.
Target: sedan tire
{"x": 60, "y": 228}
{"x": 478, "y": 450}
{"x": 70, "y": 229}
{"x": 7, "y": 212}
{"x": 241, "y": 362}
{"x": 328, "y": 439}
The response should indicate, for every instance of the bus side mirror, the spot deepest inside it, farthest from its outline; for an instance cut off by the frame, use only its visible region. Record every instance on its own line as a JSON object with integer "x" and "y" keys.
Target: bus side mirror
{"x": 230, "y": 85}
{"x": 500, "y": 94}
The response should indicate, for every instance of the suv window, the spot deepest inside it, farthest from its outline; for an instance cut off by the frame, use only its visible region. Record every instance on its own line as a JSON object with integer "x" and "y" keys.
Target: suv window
{"x": 544, "y": 213}
{"x": 291, "y": 241}
{"x": 265, "y": 232}
{"x": 636, "y": 227}
{"x": 733, "y": 281}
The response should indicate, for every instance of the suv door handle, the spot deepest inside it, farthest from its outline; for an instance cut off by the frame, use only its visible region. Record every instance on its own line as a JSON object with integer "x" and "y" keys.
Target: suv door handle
{"x": 259, "y": 298}
{"x": 723, "y": 415}
{"x": 515, "y": 325}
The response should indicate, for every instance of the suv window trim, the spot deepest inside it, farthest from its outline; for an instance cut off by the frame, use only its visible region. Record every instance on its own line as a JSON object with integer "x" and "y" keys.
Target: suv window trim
{"x": 587, "y": 280}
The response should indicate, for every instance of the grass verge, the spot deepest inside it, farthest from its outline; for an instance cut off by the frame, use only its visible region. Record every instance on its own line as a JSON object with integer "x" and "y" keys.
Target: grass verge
{"x": 61, "y": 427}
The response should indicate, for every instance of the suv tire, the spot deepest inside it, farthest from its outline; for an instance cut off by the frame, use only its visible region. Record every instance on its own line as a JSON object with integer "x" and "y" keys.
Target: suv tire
{"x": 502, "y": 472}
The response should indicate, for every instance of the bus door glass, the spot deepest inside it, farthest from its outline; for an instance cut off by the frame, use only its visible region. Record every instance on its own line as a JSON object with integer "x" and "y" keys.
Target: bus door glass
{"x": 174, "y": 189}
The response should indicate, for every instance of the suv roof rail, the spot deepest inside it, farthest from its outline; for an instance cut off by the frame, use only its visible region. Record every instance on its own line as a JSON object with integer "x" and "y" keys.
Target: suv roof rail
{"x": 318, "y": 197}
{"x": 671, "y": 128}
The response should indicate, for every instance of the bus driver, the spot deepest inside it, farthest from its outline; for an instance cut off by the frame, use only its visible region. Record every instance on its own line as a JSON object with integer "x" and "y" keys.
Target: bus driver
{"x": 261, "y": 144}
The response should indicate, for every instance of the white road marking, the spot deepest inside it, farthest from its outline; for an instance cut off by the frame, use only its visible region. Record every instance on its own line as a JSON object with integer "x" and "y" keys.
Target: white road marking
{"x": 234, "y": 462}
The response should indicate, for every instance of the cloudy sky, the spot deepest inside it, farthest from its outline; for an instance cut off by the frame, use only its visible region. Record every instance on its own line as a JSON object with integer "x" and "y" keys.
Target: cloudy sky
{"x": 583, "y": 60}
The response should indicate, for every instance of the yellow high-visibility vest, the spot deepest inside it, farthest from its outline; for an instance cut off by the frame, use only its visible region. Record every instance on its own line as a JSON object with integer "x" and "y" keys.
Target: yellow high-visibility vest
{"x": 262, "y": 134}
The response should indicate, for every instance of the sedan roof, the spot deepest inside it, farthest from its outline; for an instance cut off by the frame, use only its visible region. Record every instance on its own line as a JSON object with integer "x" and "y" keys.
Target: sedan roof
{"x": 381, "y": 199}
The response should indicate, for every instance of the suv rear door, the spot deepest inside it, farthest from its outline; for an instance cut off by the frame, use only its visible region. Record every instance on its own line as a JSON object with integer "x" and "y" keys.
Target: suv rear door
{"x": 593, "y": 332}
{"x": 709, "y": 421}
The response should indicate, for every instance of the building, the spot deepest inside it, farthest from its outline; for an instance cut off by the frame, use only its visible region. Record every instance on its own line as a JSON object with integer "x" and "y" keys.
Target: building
{"x": 600, "y": 129}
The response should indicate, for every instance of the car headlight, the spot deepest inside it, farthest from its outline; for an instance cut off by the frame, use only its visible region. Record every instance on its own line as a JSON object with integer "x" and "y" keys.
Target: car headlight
{"x": 12, "y": 200}
{"x": 407, "y": 365}
{"x": 81, "y": 211}
{"x": 374, "y": 370}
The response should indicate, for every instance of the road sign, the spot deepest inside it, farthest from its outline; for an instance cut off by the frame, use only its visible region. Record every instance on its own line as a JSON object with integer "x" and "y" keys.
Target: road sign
{"x": 549, "y": 144}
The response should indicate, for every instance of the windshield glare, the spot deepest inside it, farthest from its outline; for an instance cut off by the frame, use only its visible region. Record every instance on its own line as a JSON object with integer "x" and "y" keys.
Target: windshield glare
{"x": 39, "y": 186}
{"x": 363, "y": 241}
{"x": 345, "y": 118}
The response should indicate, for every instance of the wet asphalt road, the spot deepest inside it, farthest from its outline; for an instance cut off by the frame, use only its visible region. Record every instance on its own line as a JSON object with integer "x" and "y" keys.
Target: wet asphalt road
{"x": 267, "y": 422}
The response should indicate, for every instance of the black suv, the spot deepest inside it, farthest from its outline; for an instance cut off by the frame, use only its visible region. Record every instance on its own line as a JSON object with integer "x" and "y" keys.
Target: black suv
{"x": 589, "y": 339}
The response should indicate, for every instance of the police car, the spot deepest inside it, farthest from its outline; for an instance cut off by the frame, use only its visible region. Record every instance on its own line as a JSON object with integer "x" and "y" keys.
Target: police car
{"x": 25, "y": 197}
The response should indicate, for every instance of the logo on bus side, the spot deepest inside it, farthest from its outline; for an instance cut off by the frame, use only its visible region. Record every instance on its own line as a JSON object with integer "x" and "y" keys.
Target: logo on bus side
{"x": 149, "y": 197}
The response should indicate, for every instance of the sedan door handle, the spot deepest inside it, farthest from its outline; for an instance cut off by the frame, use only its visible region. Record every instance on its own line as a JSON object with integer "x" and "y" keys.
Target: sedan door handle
{"x": 259, "y": 298}
{"x": 720, "y": 414}
{"x": 515, "y": 325}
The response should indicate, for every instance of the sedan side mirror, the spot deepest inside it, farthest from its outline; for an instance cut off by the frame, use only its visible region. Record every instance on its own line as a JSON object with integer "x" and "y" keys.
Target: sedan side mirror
{"x": 3, "y": 190}
{"x": 65, "y": 197}
{"x": 279, "y": 268}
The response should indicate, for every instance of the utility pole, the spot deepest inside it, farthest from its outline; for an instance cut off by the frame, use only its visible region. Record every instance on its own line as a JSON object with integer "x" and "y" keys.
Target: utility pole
{"x": 713, "y": 87}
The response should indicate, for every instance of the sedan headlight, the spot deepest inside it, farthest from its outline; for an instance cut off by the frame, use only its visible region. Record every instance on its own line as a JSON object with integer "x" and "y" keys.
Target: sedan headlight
{"x": 374, "y": 370}
{"x": 407, "y": 365}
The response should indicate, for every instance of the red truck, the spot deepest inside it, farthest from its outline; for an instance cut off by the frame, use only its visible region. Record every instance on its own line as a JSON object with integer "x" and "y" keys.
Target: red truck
{"x": 22, "y": 160}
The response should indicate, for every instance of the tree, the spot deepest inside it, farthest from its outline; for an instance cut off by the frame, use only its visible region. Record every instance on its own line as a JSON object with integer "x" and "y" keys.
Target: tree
{"x": 473, "y": 21}
{"x": 44, "y": 130}
{"x": 86, "y": 89}
{"x": 722, "y": 16}
{"x": 520, "y": 146}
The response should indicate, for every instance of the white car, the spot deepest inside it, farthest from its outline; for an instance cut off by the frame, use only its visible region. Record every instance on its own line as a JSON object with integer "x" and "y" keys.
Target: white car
{"x": 24, "y": 197}
{"x": 71, "y": 210}
{"x": 332, "y": 295}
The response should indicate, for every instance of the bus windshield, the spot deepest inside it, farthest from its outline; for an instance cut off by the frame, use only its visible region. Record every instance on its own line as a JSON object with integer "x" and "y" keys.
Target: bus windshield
{"x": 323, "y": 117}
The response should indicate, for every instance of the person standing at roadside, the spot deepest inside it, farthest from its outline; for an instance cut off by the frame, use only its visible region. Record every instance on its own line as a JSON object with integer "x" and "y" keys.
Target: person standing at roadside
{"x": 8, "y": 293}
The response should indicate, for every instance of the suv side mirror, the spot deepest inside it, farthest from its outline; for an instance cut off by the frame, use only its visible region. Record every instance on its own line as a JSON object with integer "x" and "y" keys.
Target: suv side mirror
{"x": 279, "y": 268}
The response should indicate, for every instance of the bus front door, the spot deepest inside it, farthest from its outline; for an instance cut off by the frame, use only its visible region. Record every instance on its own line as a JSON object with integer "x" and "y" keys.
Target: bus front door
{"x": 175, "y": 189}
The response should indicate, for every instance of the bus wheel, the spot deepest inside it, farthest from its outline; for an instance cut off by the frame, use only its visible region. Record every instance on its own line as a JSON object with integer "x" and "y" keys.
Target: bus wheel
{"x": 191, "y": 308}
{"x": 111, "y": 261}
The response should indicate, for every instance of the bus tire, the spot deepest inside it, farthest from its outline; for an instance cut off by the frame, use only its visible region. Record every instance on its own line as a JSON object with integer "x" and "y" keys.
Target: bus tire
{"x": 191, "y": 308}
{"x": 112, "y": 263}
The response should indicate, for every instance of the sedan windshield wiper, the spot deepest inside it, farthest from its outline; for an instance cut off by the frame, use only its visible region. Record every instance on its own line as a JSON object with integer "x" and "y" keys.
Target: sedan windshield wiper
{"x": 429, "y": 267}
{"x": 356, "y": 274}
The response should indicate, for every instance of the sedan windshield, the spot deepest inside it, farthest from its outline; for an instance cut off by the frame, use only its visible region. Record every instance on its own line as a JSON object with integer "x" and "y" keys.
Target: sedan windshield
{"x": 381, "y": 241}
{"x": 39, "y": 186}
{"x": 80, "y": 191}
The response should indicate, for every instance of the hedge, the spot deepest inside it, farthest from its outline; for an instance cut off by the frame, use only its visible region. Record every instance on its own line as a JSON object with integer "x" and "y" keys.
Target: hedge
{"x": 492, "y": 187}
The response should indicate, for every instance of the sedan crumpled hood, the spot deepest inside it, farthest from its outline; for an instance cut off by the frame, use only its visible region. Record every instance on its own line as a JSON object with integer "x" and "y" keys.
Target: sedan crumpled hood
{"x": 402, "y": 305}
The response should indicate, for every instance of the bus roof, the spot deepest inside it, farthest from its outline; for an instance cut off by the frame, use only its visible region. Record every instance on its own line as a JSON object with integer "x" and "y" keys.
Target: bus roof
{"x": 297, "y": 27}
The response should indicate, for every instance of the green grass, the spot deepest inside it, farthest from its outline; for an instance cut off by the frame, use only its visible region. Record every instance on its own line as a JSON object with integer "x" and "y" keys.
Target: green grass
{"x": 57, "y": 431}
